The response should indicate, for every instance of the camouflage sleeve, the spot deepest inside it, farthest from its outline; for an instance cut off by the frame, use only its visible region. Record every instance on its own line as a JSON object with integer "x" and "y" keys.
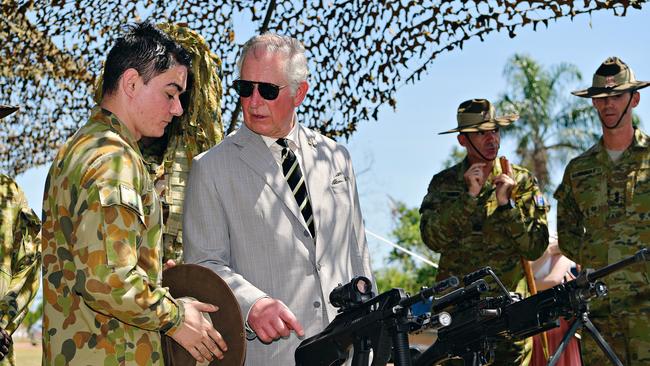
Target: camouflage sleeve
{"x": 570, "y": 228}
{"x": 110, "y": 273}
{"x": 24, "y": 276}
{"x": 525, "y": 224}
{"x": 445, "y": 216}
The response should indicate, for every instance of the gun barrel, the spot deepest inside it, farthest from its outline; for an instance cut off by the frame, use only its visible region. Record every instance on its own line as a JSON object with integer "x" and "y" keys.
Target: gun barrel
{"x": 640, "y": 256}
{"x": 480, "y": 273}
{"x": 428, "y": 292}
{"x": 460, "y": 295}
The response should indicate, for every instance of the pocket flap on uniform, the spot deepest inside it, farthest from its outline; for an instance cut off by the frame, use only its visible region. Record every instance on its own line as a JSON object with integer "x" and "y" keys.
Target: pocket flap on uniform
{"x": 586, "y": 173}
{"x": 122, "y": 195}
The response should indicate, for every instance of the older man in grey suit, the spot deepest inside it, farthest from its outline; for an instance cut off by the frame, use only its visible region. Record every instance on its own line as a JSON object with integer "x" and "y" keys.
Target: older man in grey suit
{"x": 274, "y": 208}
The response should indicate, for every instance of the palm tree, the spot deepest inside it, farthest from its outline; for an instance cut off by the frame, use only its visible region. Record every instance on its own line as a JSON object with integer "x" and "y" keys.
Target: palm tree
{"x": 553, "y": 125}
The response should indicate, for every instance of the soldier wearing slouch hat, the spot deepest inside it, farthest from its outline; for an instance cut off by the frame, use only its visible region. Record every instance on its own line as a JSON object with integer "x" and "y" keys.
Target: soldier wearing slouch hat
{"x": 604, "y": 213}
{"x": 481, "y": 212}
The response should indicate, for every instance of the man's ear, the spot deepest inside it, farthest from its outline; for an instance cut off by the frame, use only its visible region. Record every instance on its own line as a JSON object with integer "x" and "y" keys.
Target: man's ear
{"x": 301, "y": 92}
{"x": 129, "y": 81}
{"x": 462, "y": 139}
{"x": 636, "y": 98}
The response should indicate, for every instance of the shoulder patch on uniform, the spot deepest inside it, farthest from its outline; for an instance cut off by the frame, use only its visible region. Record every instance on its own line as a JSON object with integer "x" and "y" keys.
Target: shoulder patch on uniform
{"x": 586, "y": 172}
{"x": 130, "y": 198}
{"x": 540, "y": 202}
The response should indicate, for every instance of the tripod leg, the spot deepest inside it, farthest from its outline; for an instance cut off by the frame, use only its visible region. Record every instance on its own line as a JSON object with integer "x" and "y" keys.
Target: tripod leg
{"x": 565, "y": 342}
{"x": 600, "y": 341}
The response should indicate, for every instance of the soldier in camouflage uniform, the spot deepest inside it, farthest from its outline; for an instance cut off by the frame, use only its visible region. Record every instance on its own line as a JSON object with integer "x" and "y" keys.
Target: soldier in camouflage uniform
{"x": 604, "y": 211}
{"x": 197, "y": 130}
{"x": 20, "y": 255}
{"x": 475, "y": 214}
{"x": 102, "y": 222}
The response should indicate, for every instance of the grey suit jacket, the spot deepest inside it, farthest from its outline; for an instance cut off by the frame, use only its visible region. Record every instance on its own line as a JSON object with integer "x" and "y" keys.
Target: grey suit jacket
{"x": 242, "y": 221}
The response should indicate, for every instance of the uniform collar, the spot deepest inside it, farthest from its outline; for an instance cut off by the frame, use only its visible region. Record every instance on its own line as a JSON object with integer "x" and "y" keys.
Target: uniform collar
{"x": 641, "y": 140}
{"x": 107, "y": 117}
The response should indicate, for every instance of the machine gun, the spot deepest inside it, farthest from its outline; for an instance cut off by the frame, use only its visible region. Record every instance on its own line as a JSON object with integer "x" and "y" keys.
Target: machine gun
{"x": 365, "y": 321}
{"x": 480, "y": 322}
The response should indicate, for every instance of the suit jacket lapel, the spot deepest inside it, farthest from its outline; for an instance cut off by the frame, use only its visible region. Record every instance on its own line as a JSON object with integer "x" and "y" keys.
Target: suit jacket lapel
{"x": 257, "y": 156}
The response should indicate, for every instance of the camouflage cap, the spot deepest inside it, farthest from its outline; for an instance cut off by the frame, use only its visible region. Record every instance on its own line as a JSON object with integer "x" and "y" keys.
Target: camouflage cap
{"x": 6, "y": 110}
{"x": 613, "y": 77}
{"x": 479, "y": 115}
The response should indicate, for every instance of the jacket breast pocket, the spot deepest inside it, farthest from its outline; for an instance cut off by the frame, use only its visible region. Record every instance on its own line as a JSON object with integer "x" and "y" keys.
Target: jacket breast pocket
{"x": 590, "y": 193}
{"x": 340, "y": 184}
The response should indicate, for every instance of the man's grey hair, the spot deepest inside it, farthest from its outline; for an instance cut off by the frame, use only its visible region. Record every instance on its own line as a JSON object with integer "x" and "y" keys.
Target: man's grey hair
{"x": 296, "y": 65}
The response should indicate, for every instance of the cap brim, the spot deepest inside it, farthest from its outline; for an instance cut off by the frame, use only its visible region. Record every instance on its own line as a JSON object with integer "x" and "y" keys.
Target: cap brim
{"x": 201, "y": 283}
{"x": 6, "y": 110}
{"x": 502, "y": 121}
{"x": 609, "y": 92}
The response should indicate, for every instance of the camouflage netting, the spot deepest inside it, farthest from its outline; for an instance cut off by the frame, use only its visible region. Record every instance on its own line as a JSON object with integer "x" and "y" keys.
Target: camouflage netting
{"x": 360, "y": 52}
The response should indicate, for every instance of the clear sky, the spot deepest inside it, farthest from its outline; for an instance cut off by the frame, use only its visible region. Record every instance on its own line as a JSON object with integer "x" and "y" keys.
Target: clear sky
{"x": 400, "y": 152}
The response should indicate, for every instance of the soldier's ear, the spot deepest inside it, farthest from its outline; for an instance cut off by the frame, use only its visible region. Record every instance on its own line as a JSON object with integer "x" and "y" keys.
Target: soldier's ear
{"x": 636, "y": 98}
{"x": 462, "y": 139}
{"x": 129, "y": 81}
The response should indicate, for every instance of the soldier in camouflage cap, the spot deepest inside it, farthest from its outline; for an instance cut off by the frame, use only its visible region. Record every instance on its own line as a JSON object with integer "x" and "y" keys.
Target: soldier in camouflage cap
{"x": 20, "y": 256}
{"x": 482, "y": 213}
{"x": 102, "y": 222}
{"x": 604, "y": 214}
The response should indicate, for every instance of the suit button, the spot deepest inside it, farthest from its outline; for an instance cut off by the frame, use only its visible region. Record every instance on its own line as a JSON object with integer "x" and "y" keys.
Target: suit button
{"x": 318, "y": 267}
{"x": 317, "y": 304}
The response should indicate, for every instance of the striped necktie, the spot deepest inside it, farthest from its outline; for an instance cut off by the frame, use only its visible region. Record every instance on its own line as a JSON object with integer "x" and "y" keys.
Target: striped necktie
{"x": 296, "y": 181}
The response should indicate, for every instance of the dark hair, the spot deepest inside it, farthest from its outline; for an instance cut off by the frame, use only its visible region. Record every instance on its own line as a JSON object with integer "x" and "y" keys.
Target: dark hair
{"x": 146, "y": 49}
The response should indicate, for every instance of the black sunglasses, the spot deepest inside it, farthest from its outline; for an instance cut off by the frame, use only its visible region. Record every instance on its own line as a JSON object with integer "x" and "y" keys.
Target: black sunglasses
{"x": 268, "y": 91}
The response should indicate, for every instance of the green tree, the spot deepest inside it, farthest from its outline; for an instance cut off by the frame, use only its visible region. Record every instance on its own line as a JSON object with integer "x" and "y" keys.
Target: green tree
{"x": 404, "y": 270}
{"x": 553, "y": 125}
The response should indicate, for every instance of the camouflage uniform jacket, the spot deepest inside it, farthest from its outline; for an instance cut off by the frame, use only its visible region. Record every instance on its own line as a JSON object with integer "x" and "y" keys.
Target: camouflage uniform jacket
{"x": 21, "y": 258}
{"x": 470, "y": 234}
{"x": 604, "y": 215}
{"x": 102, "y": 253}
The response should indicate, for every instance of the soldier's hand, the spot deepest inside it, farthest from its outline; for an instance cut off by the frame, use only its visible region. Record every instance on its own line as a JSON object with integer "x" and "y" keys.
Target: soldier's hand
{"x": 474, "y": 178}
{"x": 197, "y": 335}
{"x": 504, "y": 185}
{"x": 169, "y": 264}
{"x": 553, "y": 248}
{"x": 504, "y": 182}
{"x": 271, "y": 319}
{"x": 5, "y": 343}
